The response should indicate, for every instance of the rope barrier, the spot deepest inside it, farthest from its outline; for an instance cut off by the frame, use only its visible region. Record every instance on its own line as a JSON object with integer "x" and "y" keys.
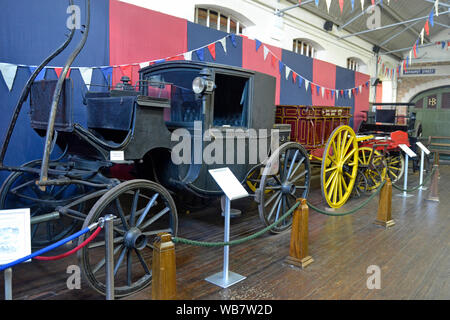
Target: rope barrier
{"x": 425, "y": 181}
{"x": 239, "y": 241}
{"x": 363, "y": 204}
{"x": 46, "y": 249}
{"x": 79, "y": 247}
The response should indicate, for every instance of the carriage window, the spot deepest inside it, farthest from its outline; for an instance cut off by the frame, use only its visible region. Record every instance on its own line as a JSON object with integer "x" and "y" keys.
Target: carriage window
{"x": 231, "y": 101}
{"x": 186, "y": 107}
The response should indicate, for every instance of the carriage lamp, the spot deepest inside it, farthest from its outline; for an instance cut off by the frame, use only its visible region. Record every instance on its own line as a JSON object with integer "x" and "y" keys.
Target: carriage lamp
{"x": 203, "y": 84}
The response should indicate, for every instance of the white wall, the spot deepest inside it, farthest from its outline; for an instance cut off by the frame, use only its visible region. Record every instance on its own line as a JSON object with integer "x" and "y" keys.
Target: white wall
{"x": 297, "y": 23}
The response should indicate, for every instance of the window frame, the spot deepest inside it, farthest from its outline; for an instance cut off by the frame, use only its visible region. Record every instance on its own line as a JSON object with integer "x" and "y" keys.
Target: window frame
{"x": 240, "y": 27}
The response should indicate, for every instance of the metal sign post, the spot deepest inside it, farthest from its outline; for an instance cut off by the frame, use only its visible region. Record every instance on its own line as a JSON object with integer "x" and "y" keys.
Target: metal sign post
{"x": 233, "y": 190}
{"x": 8, "y": 284}
{"x": 408, "y": 153}
{"x": 423, "y": 150}
{"x": 109, "y": 256}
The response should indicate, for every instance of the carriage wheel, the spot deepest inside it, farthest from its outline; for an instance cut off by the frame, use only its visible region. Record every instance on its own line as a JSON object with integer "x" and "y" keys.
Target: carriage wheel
{"x": 361, "y": 185}
{"x": 373, "y": 166}
{"x": 285, "y": 179}
{"x": 395, "y": 166}
{"x": 143, "y": 209}
{"x": 339, "y": 166}
{"x": 20, "y": 191}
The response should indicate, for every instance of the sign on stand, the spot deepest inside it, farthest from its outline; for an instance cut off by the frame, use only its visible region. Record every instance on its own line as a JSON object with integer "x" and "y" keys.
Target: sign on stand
{"x": 15, "y": 241}
{"x": 233, "y": 190}
{"x": 408, "y": 153}
{"x": 423, "y": 150}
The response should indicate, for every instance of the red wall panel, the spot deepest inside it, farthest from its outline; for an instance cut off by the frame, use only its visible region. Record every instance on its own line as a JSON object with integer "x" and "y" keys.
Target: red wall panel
{"x": 139, "y": 35}
{"x": 361, "y": 99}
{"x": 324, "y": 74}
{"x": 254, "y": 60}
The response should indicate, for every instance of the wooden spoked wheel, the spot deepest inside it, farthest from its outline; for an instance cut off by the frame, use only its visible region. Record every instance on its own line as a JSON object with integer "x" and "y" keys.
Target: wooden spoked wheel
{"x": 339, "y": 166}
{"x": 372, "y": 164}
{"x": 253, "y": 179}
{"x": 142, "y": 209}
{"x": 285, "y": 179}
{"x": 395, "y": 166}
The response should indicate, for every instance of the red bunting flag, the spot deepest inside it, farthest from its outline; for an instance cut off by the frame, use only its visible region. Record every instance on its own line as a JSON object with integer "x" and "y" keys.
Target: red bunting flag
{"x": 342, "y": 93}
{"x": 341, "y": 5}
{"x": 404, "y": 65}
{"x": 373, "y": 2}
{"x": 427, "y": 28}
{"x": 415, "y": 50}
{"x": 354, "y": 91}
{"x": 313, "y": 89}
{"x": 294, "y": 77}
{"x": 212, "y": 50}
{"x": 59, "y": 71}
{"x": 273, "y": 60}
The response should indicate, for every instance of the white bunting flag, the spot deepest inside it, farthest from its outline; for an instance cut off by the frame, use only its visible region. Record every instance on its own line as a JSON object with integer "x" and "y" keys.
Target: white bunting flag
{"x": 86, "y": 74}
{"x": 223, "y": 42}
{"x": 410, "y": 57}
{"x": 349, "y": 93}
{"x": 422, "y": 35}
{"x": 306, "y": 84}
{"x": 337, "y": 94}
{"x": 323, "y": 92}
{"x": 266, "y": 52}
{"x": 436, "y": 7}
{"x": 362, "y": 5}
{"x": 187, "y": 55}
{"x": 328, "y": 5}
{"x": 144, "y": 64}
{"x": 288, "y": 71}
{"x": 360, "y": 88}
{"x": 9, "y": 73}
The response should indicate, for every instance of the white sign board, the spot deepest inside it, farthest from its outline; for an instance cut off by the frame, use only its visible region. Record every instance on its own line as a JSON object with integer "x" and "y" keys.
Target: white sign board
{"x": 117, "y": 156}
{"x": 15, "y": 236}
{"x": 407, "y": 150}
{"x": 229, "y": 184}
{"x": 421, "y": 146}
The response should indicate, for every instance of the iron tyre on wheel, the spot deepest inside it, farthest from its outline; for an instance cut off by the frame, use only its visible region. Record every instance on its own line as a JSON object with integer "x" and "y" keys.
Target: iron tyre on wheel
{"x": 142, "y": 209}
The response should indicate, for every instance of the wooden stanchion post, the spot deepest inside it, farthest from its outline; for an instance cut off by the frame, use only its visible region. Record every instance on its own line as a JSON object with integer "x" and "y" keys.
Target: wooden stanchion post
{"x": 298, "y": 251}
{"x": 433, "y": 194}
{"x": 384, "y": 216}
{"x": 164, "y": 283}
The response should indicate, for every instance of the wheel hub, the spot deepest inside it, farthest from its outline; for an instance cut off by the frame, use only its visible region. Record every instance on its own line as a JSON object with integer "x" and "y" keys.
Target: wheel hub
{"x": 134, "y": 239}
{"x": 288, "y": 188}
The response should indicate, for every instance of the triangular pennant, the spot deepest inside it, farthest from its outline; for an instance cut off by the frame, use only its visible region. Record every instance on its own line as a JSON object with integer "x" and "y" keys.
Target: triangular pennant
{"x": 443, "y": 44}
{"x": 266, "y": 52}
{"x": 323, "y": 92}
{"x": 300, "y": 81}
{"x": 273, "y": 60}
{"x": 342, "y": 94}
{"x": 353, "y": 5}
{"x": 409, "y": 59}
{"x": 108, "y": 73}
{"x": 258, "y": 44}
{"x": 422, "y": 34}
{"x": 414, "y": 50}
{"x": 436, "y": 7}
{"x": 317, "y": 3}
{"x": 306, "y": 84}
{"x": 86, "y": 74}
{"x": 9, "y": 72}
{"x": 381, "y": 2}
{"x": 362, "y": 5}
{"x": 431, "y": 18}
{"x": 294, "y": 77}
{"x": 223, "y": 42}
{"x": 350, "y": 93}
{"x": 160, "y": 60}
{"x": 212, "y": 50}
{"x": 288, "y": 71}
{"x": 233, "y": 40}
{"x": 187, "y": 55}
{"x": 280, "y": 66}
{"x": 313, "y": 88}
{"x": 373, "y": 2}
{"x": 337, "y": 94}
{"x": 427, "y": 28}
{"x": 328, "y": 5}
{"x": 41, "y": 74}
{"x": 200, "y": 54}
{"x": 341, "y": 5}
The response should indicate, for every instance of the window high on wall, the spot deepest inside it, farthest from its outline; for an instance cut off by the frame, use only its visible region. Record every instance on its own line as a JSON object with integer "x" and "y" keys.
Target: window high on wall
{"x": 216, "y": 19}
{"x": 305, "y": 48}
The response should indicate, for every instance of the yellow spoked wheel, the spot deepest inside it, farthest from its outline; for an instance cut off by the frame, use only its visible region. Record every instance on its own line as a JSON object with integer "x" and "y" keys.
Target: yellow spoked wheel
{"x": 339, "y": 166}
{"x": 372, "y": 164}
{"x": 395, "y": 166}
{"x": 254, "y": 178}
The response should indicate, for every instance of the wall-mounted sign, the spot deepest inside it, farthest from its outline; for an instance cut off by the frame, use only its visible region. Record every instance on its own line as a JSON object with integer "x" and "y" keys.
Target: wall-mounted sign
{"x": 431, "y": 102}
{"x": 419, "y": 71}
{"x": 15, "y": 236}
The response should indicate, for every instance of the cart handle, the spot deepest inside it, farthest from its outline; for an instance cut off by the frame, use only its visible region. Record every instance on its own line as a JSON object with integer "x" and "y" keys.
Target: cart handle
{"x": 364, "y": 138}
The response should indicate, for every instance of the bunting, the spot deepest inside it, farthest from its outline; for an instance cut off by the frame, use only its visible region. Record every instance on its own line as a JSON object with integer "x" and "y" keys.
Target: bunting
{"x": 9, "y": 72}
{"x": 86, "y": 74}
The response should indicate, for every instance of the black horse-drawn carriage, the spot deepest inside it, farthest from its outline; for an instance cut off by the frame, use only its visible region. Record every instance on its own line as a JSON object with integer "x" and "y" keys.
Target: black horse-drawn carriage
{"x": 141, "y": 125}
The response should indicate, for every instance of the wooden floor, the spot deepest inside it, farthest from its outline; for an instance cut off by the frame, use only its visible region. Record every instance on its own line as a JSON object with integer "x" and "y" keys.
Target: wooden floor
{"x": 414, "y": 256}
